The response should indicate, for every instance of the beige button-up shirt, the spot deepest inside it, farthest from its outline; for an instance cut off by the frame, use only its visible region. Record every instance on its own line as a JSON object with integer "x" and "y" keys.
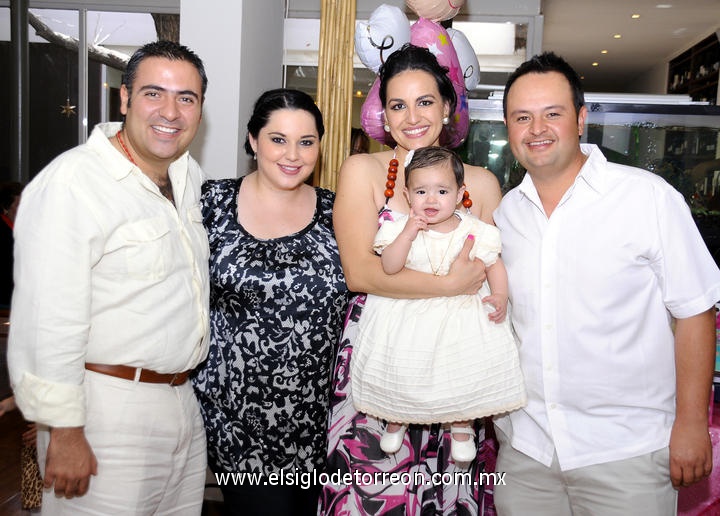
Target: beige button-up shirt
{"x": 107, "y": 271}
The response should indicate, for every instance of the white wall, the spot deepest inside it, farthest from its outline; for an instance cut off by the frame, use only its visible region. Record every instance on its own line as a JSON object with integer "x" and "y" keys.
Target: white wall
{"x": 240, "y": 42}
{"x": 653, "y": 80}
{"x": 311, "y": 8}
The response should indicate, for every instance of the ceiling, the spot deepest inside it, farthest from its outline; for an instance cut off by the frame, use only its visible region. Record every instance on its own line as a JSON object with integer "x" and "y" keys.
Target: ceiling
{"x": 576, "y": 29}
{"x": 579, "y": 29}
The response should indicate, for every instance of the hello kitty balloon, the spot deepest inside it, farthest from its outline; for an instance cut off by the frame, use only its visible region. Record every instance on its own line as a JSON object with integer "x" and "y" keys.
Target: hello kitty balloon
{"x": 435, "y": 10}
{"x": 467, "y": 57}
{"x": 386, "y": 30}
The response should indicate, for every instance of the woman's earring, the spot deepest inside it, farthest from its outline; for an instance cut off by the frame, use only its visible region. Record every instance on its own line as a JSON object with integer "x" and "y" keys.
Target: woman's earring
{"x": 387, "y": 128}
{"x": 254, "y": 156}
{"x": 445, "y": 120}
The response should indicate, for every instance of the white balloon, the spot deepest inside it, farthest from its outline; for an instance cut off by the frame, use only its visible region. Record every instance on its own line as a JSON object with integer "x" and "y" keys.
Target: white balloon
{"x": 467, "y": 57}
{"x": 386, "y": 31}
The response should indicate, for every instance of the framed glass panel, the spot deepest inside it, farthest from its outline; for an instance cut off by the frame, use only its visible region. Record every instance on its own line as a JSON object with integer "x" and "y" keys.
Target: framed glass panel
{"x": 55, "y": 118}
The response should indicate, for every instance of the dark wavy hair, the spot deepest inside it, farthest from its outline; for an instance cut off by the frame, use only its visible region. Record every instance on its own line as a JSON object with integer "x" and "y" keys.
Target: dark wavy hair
{"x": 167, "y": 50}
{"x": 281, "y": 98}
{"x": 411, "y": 57}
{"x": 431, "y": 156}
{"x": 545, "y": 63}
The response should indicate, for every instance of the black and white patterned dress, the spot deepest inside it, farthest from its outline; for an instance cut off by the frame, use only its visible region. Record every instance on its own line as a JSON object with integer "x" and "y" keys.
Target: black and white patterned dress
{"x": 276, "y": 311}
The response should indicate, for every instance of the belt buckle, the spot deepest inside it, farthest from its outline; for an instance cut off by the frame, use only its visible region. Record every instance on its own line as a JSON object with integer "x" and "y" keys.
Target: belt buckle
{"x": 172, "y": 382}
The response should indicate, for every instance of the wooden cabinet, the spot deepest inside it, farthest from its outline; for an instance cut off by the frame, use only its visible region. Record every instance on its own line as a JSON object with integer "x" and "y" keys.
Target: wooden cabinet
{"x": 695, "y": 71}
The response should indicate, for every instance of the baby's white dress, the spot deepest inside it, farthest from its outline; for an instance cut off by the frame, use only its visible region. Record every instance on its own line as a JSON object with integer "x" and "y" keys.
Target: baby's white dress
{"x": 439, "y": 359}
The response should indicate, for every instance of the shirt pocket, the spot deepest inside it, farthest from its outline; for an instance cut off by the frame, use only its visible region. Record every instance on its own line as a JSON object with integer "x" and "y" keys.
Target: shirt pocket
{"x": 143, "y": 248}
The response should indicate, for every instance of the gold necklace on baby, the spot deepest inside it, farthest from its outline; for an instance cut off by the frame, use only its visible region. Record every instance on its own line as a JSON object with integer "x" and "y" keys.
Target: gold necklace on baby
{"x": 436, "y": 270}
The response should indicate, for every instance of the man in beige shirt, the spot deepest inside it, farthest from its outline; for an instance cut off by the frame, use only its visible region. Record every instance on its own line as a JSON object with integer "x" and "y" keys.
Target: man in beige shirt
{"x": 109, "y": 313}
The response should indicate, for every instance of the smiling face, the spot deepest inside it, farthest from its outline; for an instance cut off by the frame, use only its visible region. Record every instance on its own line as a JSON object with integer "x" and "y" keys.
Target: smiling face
{"x": 433, "y": 192}
{"x": 164, "y": 113}
{"x": 414, "y": 109}
{"x": 287, "y": 148}
{"x": 543, "y": 126}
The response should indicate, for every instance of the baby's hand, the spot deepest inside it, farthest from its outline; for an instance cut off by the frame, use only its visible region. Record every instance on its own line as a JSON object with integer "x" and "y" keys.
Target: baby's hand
{"x": 499, "y": 302}
{"x": 415, "y": 224}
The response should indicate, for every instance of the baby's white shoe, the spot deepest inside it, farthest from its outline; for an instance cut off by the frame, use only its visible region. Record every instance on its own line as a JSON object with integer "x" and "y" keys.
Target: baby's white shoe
{"x": 391, "y": 442}
{"x": 462, "y": 451}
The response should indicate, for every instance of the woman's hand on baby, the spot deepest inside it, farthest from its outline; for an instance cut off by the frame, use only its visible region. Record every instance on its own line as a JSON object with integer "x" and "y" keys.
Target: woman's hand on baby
{"x": 467, "y": 275}
{"x": 499, "y": 302}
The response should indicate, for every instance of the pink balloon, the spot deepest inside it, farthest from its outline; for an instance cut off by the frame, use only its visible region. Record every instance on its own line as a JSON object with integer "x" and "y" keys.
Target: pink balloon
{"x": 431, "y": 35}
{"x": 371, "y": 116}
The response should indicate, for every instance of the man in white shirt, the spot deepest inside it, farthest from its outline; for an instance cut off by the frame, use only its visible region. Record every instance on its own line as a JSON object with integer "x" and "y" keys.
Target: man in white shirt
{"x": 600, "y": 258}
{"x": 109, "y": 312}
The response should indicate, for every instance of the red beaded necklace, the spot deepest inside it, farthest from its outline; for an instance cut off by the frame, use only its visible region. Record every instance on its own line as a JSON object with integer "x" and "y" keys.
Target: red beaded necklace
{"x": 124, "y": 148}
{"x": 392, "y": 177}
{"x": 165, "y": 186}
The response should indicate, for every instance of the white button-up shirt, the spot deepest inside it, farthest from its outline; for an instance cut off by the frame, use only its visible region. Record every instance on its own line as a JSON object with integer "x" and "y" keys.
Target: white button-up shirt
{"x": 593, "y": 289}
{"x": 108, "y": 271}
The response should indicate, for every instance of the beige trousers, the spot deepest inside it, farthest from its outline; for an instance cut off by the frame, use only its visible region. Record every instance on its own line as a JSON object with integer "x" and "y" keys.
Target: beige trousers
{"x": 639, "y": 485}
{"x": 149, "y": 442}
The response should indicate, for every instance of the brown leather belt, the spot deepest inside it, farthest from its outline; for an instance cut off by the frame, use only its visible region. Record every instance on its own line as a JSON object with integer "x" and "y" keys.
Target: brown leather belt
{"x": 146, "y": 375}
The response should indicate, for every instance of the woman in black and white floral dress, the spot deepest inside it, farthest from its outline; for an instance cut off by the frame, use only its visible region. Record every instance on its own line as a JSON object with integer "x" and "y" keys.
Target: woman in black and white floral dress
{"x": 277, "y": 302}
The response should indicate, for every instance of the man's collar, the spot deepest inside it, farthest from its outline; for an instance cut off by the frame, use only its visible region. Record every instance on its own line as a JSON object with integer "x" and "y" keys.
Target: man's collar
{"x": 591, "y": 172}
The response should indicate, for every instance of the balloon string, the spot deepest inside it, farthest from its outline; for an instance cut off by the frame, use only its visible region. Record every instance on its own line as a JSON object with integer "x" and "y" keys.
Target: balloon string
{"x": 382, "y": 46}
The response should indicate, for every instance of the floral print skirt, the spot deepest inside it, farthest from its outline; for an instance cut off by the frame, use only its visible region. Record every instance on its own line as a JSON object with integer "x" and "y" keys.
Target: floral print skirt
{"x": 420, "y": 479}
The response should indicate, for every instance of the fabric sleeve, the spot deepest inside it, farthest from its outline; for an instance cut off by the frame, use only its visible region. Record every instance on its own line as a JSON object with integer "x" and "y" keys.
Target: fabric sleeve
{"x": 388, "y": 232}
{"x": 688, "y": 275}
{"x": 487, "y": 242}
{"x": 57, "y": 241}
{"x": 217, "y": 196}
{"x": 326, "y": 201}
{"x": 208, "y": 200}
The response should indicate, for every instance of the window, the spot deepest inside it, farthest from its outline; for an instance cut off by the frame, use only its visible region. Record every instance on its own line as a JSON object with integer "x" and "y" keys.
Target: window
{"x": 68, "y": 95}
